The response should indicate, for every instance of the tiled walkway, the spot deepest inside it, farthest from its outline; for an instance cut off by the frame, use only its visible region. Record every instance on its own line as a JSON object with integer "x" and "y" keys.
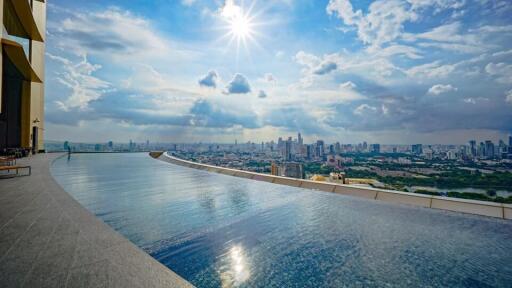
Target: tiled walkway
{"x": 47, "y": 239}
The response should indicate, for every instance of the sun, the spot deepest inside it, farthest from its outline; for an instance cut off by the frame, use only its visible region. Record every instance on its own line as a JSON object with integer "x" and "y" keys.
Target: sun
{"x": 241, "y": 27}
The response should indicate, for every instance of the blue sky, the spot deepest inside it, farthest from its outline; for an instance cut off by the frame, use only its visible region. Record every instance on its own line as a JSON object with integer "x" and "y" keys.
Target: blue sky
{"x": 394, "y": 71}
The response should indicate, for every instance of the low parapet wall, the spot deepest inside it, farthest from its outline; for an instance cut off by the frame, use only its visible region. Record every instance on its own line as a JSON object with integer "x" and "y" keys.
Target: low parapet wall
{"x": 491, "y": 209}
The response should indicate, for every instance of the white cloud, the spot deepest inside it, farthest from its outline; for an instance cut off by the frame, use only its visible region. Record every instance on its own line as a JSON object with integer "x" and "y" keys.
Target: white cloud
{"x": 349, "y": 92}
{"x": 238, "y": 85}
{"x": 438, "y": 4}
{"x": 408, "y": 51}
{"x": 502, "y": 72}
{"x": 262, "y": 94}
{"x": 230, "y": 10}
{"x": 495, "y": 29}
{"x": 508, "y": 96}
{"x": 209, "y": 80}
{"x": 116, "y": 35}
{"x": 364, "y": 109}
{"x": 79, "y": 78}
{"x": 382, "y": 24}
{"x": 430, "y": 70}
{"x": 314, "y": 66}
{"x": 441, "y": 88}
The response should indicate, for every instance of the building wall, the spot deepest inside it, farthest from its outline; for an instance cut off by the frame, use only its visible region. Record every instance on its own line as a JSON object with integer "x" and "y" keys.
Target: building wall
{"x": 33, "y": 92}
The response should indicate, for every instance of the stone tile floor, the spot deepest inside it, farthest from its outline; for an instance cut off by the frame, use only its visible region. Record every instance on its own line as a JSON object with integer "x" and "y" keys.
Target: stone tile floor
{"x": 47, "y": 239}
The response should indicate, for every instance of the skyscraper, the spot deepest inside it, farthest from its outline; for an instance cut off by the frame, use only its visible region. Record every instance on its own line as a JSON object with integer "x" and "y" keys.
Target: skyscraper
{"x": 473, "y": 150}
{"x": 288, "y": 150}
{"x": 300, "y": 140}
{"x": 309, "y": 152}
{"x": 489, "y": 149}
{"x": 320, "y": 149}
{"x": 417, "y": 149}
{"x": 374, "y": 148}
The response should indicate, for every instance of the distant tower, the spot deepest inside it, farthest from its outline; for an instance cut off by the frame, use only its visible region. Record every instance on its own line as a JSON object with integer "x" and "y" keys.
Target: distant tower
{"x": 300, "y": 140}
{"x": 288, "y": 150}
{"x": 472, "y": 147}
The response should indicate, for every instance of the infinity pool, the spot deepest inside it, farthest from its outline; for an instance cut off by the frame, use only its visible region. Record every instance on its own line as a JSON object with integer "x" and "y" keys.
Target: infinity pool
{"x": 221, "y": 231}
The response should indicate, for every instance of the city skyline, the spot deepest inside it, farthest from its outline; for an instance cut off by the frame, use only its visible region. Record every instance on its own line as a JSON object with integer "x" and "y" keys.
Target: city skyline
{"x": 401, "y": 71}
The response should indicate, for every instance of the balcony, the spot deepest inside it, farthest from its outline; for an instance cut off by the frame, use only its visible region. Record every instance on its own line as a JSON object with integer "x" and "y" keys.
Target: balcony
{"x": 16, "y": 52}
{"x": 19, "y": 20}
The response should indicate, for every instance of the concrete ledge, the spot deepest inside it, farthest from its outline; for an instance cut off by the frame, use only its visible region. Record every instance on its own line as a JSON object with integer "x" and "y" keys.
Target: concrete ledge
{"x": 287, "y": 181}
{"x": 404, "y": 198}
{"x": 355, "y": 191}
{"x": 326, "y": 187}
{"x": 507, "y": 211}
{"x": 468, "y": 206}
{"x": 263, "y": 177}
{"x": 452, "y": 204}
{"x": 244, "y": 174}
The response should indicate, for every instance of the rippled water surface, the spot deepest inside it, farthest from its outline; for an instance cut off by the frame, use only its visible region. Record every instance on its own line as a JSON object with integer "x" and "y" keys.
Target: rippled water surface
{"x": 221, "y": 231}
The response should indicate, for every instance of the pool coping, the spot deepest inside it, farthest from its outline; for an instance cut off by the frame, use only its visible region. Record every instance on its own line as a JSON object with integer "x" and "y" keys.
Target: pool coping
{"x": 491, "y": 209}
{"x": 48, "y": 239}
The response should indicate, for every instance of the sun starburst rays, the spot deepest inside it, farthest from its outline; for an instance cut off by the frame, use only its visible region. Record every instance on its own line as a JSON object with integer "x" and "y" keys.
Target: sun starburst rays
{"x": 241, "y": 28}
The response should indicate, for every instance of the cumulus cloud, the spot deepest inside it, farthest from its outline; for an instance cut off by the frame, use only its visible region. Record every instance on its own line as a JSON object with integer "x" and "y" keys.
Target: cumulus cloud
{"x": 262, "y": 94}
{"x": 209, "y": 80}
{"x": 314, "y": 66}
{"x": 441, "y": 88}
{"x": 383, "y": 23}
{"x": 325, "y": 68}
{"x": 238, "y": 85}
{"x": 501, "y": 71}
{"x": 80, "y": 80}
{"x": 108, "y": 32}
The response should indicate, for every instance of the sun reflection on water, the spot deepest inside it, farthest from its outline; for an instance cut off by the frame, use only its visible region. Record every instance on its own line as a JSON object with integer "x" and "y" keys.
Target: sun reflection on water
{"x": 235, "y": 269}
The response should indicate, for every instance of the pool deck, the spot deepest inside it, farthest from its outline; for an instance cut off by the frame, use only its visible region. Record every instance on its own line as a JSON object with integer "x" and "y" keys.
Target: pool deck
{"x": 47, "y": 239}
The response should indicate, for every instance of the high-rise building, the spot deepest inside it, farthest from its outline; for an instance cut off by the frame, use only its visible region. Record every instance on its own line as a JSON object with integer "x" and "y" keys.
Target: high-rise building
{"x": 489, "y": 149}
{"x": 331, "y": 149}
{"x": 481, "y": 150}
{"x": 287, "y": 150}
{"x": 320, "y": 149}
{"x": 300, "y": 140}
{"x": 417, "y": 149}
{"x": 22, "y": 72}
{"x": 374, "y": 148}
{"x": 309, "y": 152}
{"x": 472, "y": 147}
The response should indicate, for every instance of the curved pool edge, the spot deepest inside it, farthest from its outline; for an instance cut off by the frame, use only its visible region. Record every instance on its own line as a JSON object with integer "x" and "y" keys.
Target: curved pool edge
{"x": 48, "y": 239}
{"x": 483, "y": 208}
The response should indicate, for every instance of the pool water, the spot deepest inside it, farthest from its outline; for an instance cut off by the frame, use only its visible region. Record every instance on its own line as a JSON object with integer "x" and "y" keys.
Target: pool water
{"x": 221, "y": 231}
